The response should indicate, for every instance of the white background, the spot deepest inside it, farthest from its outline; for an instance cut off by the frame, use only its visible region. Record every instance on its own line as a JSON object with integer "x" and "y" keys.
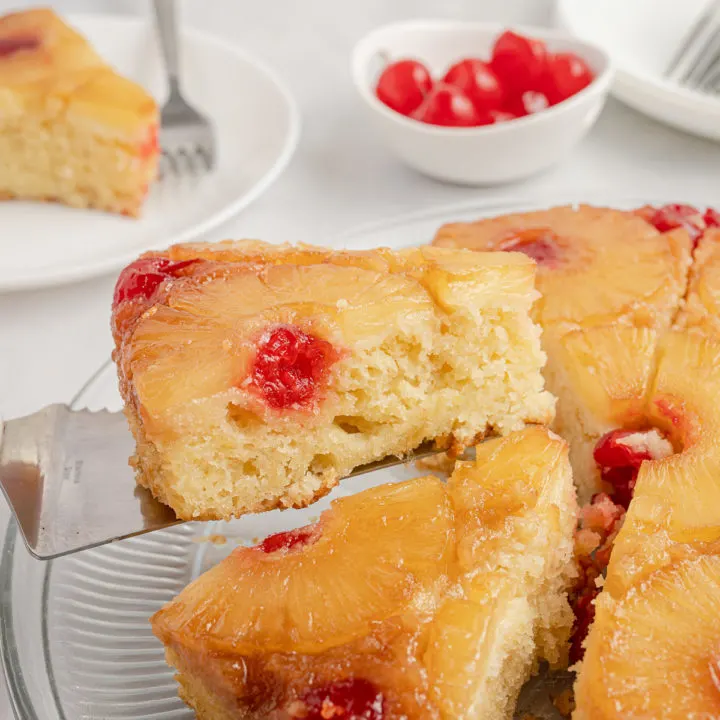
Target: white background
{"x": 51, "y": 341}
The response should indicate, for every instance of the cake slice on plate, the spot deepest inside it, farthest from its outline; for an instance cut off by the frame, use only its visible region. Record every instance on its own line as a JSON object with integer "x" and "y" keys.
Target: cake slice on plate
{"x": 412, "y": 600}
{"x": 256, "y": 376}
{"x": 71, "y": 129}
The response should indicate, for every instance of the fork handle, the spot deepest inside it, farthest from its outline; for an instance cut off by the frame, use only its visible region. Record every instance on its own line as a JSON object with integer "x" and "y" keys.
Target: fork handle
{"x": 166, "y": 25}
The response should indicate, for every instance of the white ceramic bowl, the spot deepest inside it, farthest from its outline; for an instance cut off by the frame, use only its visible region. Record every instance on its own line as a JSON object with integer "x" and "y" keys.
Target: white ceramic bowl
{"x": 484, "y": 155}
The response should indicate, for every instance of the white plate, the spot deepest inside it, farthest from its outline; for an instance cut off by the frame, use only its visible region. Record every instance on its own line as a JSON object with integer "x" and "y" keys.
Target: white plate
{"x": 258, "y": 127}
{"x": 642, "y": 37}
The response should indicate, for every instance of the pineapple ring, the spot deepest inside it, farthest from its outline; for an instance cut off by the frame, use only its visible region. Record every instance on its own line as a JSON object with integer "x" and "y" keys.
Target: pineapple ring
{"x": 702, "y": 307}
{"x": 683, "y": 489}
{"x": 587, "y": 242}
{"x": 236, "y": 606}
{"x": 656, "y": 652}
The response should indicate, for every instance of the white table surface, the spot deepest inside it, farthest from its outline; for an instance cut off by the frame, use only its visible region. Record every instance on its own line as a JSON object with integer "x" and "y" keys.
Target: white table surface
{"x": 51, "y": 341}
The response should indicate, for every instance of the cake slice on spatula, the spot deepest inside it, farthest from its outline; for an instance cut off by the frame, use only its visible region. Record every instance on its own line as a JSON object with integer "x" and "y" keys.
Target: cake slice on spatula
{"x": 257, "y": 376}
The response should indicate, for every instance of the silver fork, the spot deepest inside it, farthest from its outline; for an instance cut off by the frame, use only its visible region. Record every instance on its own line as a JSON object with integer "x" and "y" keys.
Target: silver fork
{"x": 696, "y": 64}
{"x": 187, "y": 138}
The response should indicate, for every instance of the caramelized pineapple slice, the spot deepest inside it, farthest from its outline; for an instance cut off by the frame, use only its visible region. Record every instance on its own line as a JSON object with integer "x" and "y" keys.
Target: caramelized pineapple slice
{"x": 577, "y": 251}
{"x": 469, "y": 642}
{"x": 510, "y": 496}
{"x": 601, "y": 377}
{"x": 655, "y": 653}
{"x": 683, "y": 402}
{"x": 702, "y": 305}
{"x": 205, "y": 336}
{"x": 362, "y": 563}
{"x": 676, "y": 498}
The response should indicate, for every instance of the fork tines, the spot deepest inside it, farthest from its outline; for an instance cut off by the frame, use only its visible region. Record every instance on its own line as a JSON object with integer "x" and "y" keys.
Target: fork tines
{"x": 186, "y": 159}
{"x": 696, "y": 64}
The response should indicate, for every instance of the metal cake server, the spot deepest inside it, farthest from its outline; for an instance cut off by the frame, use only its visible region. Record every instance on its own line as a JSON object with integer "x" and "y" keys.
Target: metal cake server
{"x": 66, "y": 476}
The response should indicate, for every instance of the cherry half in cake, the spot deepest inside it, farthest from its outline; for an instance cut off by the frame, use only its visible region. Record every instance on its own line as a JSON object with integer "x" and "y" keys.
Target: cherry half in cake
{"x": 9, "y": 45}
{"x": 349, "y": 699}
{"x": 689, "y": 218}
{"x": 143, "y": 277}
{"x": 538, "y": 243}
{"x": 619, "y": 455}
{"x": 289, "y": 366}
{"x": 289, "y": 539}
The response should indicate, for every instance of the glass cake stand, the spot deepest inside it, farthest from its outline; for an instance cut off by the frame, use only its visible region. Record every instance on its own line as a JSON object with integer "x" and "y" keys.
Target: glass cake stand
{"x": 75, "y": 637}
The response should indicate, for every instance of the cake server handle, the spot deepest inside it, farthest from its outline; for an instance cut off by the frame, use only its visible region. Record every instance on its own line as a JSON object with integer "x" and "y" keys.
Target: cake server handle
{"x": 66, "y": 476}
{"x": 166, "y": 23}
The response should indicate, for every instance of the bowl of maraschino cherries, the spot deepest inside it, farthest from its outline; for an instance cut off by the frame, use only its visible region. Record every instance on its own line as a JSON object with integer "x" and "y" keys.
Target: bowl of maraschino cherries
{"x": 474, "y": 103}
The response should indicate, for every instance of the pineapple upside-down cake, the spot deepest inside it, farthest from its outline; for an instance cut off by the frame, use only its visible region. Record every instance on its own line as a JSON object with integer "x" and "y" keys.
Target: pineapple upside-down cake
{"x": 406, "y": 601}
{"x": 71, "y": 128}
{"x": 638, "y": 382}
{"x": 256, "y": 376}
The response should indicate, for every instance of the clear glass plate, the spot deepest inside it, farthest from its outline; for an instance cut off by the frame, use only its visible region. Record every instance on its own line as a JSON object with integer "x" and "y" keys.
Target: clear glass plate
{"x": 76, "y": 642}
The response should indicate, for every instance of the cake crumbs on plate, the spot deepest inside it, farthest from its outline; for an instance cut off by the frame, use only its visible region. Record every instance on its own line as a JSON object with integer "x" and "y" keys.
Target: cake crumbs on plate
{"x": 215, "y": 539}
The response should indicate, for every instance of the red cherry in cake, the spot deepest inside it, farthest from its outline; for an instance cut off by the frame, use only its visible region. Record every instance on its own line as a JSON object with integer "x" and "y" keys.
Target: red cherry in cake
{"x": 289, "y": 366}
{"x": 622, "y": 480}
{"x": 670, "y": 217}
{"x": 351, "y": 699}
{"x": 13, "y": 44}
{"x": 538, "y": 243}
{"x": 584, "y": 617}
{"x": 712, "y": 218}
{"x": 289, "y": 539}
{"x": 611, "y": 452}
{"x": 144, "y": 276}
{"x": 619, "y": 460}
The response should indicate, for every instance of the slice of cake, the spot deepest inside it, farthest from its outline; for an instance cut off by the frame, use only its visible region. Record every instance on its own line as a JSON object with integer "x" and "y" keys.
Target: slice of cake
{"x": 71, "y": 129}
{"x": 260, "y": 382}
{"x": 407, "y": 601}
{"x": 596, "y": 266}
